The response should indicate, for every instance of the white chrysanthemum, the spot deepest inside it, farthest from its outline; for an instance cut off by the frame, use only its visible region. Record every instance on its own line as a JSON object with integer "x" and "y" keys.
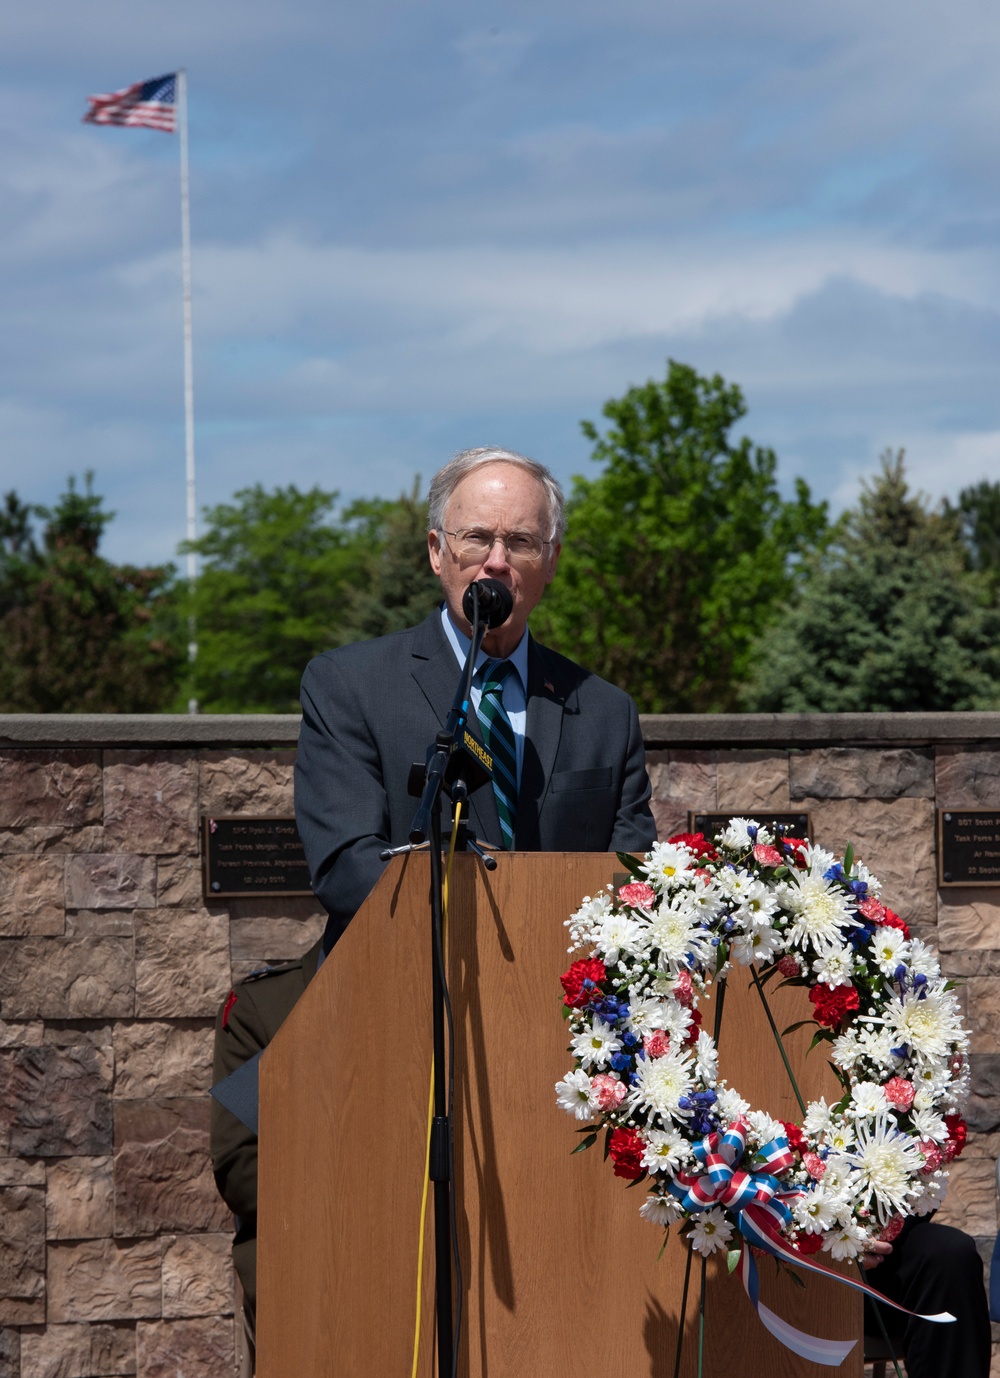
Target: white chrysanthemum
{"x": 818, "y": 860}
{"x": 875, "y": 1045}
{"x": 737, "y": 838}
{"x": 861, "y": 872}
{"x": 816, "y": 1210}
{"x": 758, "y": 945}
{"x": 660, "y": 1210}
{"x": 840, "y": 1134}
{"x": 867, "y": 1099}
{"x": 889, "y": 948}
{"x": 660, "y": 1084}
{"x": 679, "y": 936}
{"x": 927, "y": 1022}
{"x": 712, "y": 1231}
{"x": 706, "y": 1058}
{"x": 835, "y": 967}
{"x": 820, "y": 912}
{"x": 620, "y": 935}
{"x": 924, "y": 959}
{"x": 730, "y": 1104}
{"x": 818, "y": 1119}
{"x": 846, "y": 1049}
{"x": 929, "y": 1079}
{"x": 764, "y": 1127}
{"x": 886, "y": 1161}
{"x": 596, "y": 1046}
{"x": 646, "y": 1013}
{"x": 665, "y": 1151}
{"x": 757, "y": 906}
{"x": 848, "y": 1240}
{"x": 668, "y": 860}
{"x": 735, "y": 884}
{"x": 929, "y": 1124}
{"x": 676, "y": 1021}
{"x": 573, "y": 1094}
{"x": 585, "y": 924}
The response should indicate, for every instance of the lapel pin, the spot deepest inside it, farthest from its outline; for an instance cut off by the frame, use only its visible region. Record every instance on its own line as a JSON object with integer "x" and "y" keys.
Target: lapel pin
{"x": 550, "y": 686}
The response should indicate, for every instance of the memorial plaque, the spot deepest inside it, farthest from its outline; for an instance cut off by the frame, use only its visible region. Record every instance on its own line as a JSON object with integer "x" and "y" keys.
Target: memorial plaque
{"x": 789, "y": 824}
{"x": 968, "y": 847}
{"x": 252, "y": 856}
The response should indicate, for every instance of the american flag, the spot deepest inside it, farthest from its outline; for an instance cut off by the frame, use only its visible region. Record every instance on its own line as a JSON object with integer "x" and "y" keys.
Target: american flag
{"x": 151, "y": 104}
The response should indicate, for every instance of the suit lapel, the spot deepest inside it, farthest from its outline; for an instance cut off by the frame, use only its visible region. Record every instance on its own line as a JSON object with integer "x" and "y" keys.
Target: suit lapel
{"x": 436, "y": 671}
{"x": 546, "y": 707}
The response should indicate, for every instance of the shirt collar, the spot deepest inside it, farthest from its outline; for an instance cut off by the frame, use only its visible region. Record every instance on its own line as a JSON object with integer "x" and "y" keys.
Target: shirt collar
{"x": 460, "y": 644}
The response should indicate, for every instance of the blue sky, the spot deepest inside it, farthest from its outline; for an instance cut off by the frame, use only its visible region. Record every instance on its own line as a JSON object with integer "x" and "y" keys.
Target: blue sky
{"x": 422, "y": 227}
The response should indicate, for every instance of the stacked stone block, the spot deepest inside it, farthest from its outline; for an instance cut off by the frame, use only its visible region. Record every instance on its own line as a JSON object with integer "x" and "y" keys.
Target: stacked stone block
{"x": 114, "y": 1248}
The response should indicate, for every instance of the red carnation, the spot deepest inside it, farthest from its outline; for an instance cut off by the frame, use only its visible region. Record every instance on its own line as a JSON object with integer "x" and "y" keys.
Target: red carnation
{"x": 794, "y": 1135}
{"x": 808, "y": 1244}
{"x": 768, "y": 856}
{"x": 831, "y": 1007}
{"x": 891, "y": 920}
{"x": 891, "y": 1229}
{"x": 789, "y": 965}
{"x": 872, "y": 909}
{"x": 694, "y": 1027}
{"x": 626, "y": 1151}
{"x": 958, "y": 1132}
{"x": 696, "y": 843}
{"x": 683, "y": 991}
{"x": 637, "y": 895}
{"x": 798, "y": 846}
{"x": 588, "y": 969}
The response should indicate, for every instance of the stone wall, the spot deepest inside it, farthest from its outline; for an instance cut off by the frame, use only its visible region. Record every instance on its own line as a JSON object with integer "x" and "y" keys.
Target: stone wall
{"x": 114, "y": 1249}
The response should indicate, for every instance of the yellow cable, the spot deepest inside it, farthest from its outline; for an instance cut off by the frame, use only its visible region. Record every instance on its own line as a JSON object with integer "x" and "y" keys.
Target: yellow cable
{"x": 430, "y": 1118}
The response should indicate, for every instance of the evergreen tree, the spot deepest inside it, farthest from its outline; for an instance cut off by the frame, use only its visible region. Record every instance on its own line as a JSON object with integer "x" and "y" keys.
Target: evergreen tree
{"x": 890, "y": 618}
{"x": 680, "y": 551}
{"x": 79, "y": 634}
{"x": 978, "y": 516}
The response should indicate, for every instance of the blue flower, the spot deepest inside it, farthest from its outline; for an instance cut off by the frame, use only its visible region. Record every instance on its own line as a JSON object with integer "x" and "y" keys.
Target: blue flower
{"x": 621, "y": 1062}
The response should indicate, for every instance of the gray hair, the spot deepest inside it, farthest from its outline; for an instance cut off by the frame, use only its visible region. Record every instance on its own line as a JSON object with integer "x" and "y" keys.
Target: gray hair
{"x": 446, "y": 480}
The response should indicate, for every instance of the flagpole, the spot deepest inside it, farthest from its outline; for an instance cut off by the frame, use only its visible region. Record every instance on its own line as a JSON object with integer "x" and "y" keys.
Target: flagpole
{"x": 192, "y": 507}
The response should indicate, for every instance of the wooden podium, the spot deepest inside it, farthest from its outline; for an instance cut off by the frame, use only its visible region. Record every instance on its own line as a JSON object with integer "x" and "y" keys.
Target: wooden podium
{"x": 560, "y": 1274}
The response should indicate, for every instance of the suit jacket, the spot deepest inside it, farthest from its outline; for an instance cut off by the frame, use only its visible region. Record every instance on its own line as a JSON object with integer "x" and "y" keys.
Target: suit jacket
{"x": 371, "y": 709}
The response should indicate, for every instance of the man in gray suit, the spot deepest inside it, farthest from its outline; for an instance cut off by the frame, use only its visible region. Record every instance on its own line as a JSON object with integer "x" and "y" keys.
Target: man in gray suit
{"x": 369, "y": 710}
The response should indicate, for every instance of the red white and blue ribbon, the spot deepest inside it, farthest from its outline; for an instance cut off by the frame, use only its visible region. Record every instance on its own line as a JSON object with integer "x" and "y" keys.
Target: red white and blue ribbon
{"x": 757, "y": 1199}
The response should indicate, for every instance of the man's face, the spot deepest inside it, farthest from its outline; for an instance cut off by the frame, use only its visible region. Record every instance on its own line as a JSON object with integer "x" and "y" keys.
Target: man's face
{"x": 501, "y": 498}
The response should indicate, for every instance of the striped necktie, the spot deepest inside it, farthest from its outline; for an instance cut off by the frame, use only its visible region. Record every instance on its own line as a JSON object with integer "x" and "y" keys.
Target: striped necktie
{"x": 499, "y": 737}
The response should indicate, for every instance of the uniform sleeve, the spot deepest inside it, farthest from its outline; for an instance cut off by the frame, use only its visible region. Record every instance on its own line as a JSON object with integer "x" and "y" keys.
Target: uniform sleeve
{"x": 340, "y": 801}
{"x": 635, "y": 828}
{"x": 239, "y": 1034}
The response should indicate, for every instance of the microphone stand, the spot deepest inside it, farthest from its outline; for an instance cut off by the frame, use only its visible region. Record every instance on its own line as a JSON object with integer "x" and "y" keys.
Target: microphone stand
{"x": 454, "y": 763}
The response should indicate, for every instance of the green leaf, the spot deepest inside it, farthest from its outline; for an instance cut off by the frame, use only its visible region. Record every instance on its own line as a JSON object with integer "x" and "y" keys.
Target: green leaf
{"x": 666, "y": 1238}
{"x": 637, "y": 1180}
{"x": 588, "y": 1142}
{"x": 849, "y": 858}
{"x": 790, "y": 1272}
{"x": 800, "y": 1024}
{"x": 732, "y": 1259}
{"x": 607, "y": 1141}
{"x": 721, "y": 954}
{"x": 631, "y": 863}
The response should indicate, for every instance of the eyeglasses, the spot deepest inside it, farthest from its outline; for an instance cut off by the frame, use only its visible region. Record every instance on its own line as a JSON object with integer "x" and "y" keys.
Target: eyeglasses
{"x": 475, "y": 543}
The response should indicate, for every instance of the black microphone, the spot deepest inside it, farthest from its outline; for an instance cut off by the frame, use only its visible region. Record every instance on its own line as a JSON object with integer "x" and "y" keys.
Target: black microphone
{"x": 496, "y": 602}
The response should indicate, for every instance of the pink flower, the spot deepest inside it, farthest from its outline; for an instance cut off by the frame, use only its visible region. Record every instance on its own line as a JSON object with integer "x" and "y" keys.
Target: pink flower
{"x": 789, "y": 965}
{"x": 814, "y": 1165}
{"x": 683, "y": 990}
{"x": 768, "y": 856}
{"x": 932, "y": 1156}
{"x": 872, "y": 909}
{"x": 657, "y": 1044}
{"x": 637, "y": 894}
{"x": 899, "y": 1092}
{"x": 607, "y": 1091}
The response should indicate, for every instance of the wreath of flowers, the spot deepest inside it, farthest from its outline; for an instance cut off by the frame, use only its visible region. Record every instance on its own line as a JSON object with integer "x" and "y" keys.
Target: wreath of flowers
{"x": 646, "y": 1072}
